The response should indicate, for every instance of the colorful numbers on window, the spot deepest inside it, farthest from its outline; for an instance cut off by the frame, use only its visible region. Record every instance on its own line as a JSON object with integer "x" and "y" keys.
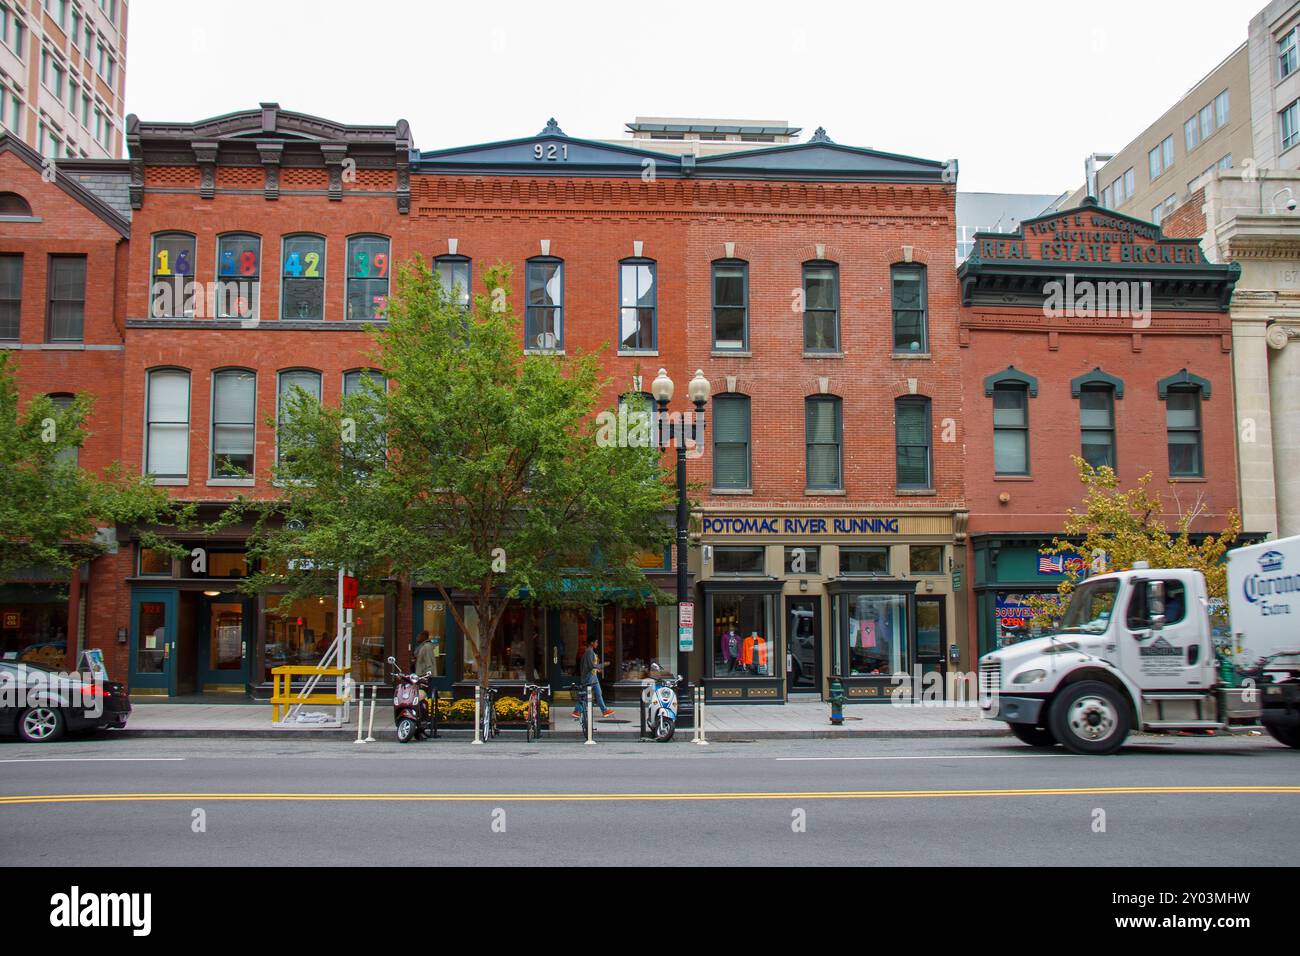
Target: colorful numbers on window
{"x": 163, "y": 266}
{"x": 366, "y": 266}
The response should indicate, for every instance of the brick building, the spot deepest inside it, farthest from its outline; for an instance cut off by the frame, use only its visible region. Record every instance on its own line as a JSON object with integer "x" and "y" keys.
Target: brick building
{"x": 1087, "y": 332}
{"x": 63, "y": 257}
{"x": 812, "y": 283}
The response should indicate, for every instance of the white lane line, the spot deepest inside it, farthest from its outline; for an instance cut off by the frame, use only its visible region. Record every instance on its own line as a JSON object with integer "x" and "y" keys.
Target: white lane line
{"x": 932, "y": 757}
{"x": 90, "y": 759}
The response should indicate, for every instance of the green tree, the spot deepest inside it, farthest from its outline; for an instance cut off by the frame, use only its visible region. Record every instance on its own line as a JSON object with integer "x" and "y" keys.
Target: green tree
{"x": 1115, "y": 528}
{"x": 50, "y": 508}
{"x": 477, "y": 469}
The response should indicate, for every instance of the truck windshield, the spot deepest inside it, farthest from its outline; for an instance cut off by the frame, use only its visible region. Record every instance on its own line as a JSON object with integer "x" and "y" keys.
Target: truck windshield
{"x": 1090, "y": 608}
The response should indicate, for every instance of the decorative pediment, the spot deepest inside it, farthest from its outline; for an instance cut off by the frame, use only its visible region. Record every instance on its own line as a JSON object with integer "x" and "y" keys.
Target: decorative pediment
{"x": 549, "y": 153}
{"x": 822, "y": 159}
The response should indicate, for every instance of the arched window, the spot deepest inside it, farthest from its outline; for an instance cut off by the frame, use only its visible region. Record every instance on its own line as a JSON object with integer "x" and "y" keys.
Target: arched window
{"x": 731, "y": 469}
{"x": 908, "y": 295}
{"x": 234, "y": 423}
{"x": 544, "y": 318}
{"x": 12, "y": 204}
{"x": 172, "y": 269}
{"x": 302, "y": 280}
{"x": 167, "y": 428}
{"x": 367, "y": 277}
{"x": 821, "y": 307}
{"x": 912, "y": 442}
{"x": 824, "y": 436}
{"x": 62, "y": 402}
{"x": 638, "y": 327}
{"x": 309, "y": 380}
{"x": 730, "y": 305}
{"x": 454, "y": 273}
{"x": 239, "y": 275}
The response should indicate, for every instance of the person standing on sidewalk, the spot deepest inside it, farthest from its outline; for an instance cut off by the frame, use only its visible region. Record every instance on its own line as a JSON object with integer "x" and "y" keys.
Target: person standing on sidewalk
{"x": 589, "y": 676}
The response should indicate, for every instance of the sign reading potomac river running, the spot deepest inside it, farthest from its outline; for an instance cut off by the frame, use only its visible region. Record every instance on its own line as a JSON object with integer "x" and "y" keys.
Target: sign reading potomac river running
{"x": 788, "y": 524}
{"x": 1091, "y": 236}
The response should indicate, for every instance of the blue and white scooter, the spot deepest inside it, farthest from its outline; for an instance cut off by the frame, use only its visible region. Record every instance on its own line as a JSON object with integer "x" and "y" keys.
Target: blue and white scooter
{"x": 660, "y": 699}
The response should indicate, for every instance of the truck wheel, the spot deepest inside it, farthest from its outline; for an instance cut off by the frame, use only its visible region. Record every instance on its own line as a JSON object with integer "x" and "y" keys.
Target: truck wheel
{"x": 1284, "y": 735}
{"x": 1090, "y": 718}
{"x": 1034, "y": 736}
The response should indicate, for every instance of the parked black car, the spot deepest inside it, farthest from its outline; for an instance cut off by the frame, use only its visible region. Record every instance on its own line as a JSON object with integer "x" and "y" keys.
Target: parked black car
{"x": 39, "y": 703}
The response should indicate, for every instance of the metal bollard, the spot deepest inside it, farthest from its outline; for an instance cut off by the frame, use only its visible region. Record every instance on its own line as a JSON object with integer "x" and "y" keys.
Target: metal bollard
{"x": 361, "y": 711}
{"x": 591, "y": 718}
{"x": 699, "y": 718}
{"x": 478, "y": 713}
{"x": 370, "y": 730}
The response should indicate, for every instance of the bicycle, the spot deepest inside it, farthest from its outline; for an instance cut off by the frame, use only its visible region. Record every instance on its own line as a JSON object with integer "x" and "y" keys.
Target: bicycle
{"x": 534, "y": 692}
{"x": 488, "y": 719}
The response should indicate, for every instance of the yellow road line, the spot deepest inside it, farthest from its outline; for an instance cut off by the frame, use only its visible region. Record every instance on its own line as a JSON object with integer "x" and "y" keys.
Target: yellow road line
{"x": 17, "y": 800}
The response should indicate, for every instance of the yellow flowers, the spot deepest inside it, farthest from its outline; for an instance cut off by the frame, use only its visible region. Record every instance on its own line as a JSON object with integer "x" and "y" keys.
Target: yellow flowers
{"x": 508, "y": 709}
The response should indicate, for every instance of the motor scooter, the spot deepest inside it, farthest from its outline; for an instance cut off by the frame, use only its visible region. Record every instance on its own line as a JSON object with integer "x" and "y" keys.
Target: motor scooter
{"x": 660, "y": 698}
{"x": 416, "y": 717}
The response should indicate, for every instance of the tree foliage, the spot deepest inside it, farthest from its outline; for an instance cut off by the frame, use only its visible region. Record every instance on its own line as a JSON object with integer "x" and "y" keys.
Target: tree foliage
{"x": 50, "y": 507}
{"x": 466, "y": 464}
{"x": 1116, "y": 528}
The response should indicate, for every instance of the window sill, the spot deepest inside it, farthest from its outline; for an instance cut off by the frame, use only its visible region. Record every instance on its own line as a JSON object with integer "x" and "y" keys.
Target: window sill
{"x": 543, "y": 351}
{"x": 172, "y": 482}
{"x": 731, "y": 353}
{"x": 909, "y": 356}
{"x": 816, "y": 492}
{"x": 823, "y": 355}
{"x": 637, "y": 353}
{"x": 1013, "y": 477}
{"x": 63, "y": 346}
{"x": 1191, "y": 479}
{"x": 731, "y": 491}
{"x": 231, "y": 482}
{"x": 915, "y": 492}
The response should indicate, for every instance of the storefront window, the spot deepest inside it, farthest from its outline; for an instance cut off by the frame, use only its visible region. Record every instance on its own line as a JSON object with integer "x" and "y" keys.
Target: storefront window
{"x": 926, "y": 559}
{"x": 369, "y": 649}
{"x": 153, "y": 561}
{"x": 646, "y": 637}
{"x": 737, "y": 561}
{"x": 34, "y": 623}
{"x": 744, "y": 643}
{"x": 805, "y": 559}
{"x": 302, "y": 634}
{"x": 877, "y": 634}
{"x": 518, "y": 649}
{"x": 572, "y": 640}
{"x": 864, "y": 561}
{"x": 1012, "y": 614}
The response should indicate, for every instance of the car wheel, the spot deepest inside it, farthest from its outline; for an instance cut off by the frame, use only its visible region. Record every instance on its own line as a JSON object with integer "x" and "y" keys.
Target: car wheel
{"x": 40, "y": 724}
{"x": 1090, "y": 718}
{"x": 1034, "y": 736}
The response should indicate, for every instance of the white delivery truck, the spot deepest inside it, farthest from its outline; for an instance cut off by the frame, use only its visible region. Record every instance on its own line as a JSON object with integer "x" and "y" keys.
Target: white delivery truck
{"x": 1135, "y": 651}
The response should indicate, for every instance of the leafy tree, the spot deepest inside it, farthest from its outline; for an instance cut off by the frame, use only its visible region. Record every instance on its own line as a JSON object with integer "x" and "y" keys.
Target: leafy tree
{"x": 50, "y": 508}
{"x": 1116, "y": 528}
{"x": 477, "y": 469}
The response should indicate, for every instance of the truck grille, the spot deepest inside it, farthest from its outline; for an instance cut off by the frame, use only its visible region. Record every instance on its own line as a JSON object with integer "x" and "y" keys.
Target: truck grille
{"x": 990, "y": 679}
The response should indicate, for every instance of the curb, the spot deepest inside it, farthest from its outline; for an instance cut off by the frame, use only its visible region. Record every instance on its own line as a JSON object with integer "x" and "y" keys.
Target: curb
{"x": 387, "y": 735}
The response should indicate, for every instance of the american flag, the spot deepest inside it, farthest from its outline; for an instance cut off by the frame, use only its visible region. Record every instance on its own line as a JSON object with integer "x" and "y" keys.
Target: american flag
{"x": 1051, "y": 564}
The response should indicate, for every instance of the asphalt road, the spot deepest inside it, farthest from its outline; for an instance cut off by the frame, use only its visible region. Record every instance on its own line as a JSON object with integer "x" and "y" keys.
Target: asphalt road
{"x": 949, "y": 802}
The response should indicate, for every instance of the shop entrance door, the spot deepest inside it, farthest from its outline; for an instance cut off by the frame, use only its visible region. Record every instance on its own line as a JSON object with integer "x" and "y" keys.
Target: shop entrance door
{"x": 803, "y": 619}
{"x": 567, "y": 634}
{"x": 224, "y": 627}
{"x": 153, "y": 641}
{"x": 930, "y": 645}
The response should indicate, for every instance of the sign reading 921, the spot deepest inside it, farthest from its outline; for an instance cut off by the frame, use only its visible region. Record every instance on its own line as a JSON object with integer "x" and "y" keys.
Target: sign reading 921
{"x": 551, "y": 151}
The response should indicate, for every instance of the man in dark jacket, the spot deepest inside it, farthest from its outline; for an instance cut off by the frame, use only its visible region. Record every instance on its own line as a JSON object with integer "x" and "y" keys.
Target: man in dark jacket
{"x": 589, "y": 676}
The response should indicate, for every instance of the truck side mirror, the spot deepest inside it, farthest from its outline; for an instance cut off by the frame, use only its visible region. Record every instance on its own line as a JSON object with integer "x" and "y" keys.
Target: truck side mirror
{"x": 1156, "y": 604}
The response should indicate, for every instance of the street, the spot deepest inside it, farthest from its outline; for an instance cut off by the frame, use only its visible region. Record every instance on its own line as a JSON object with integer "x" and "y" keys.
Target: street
{"x": 940, "y": 802}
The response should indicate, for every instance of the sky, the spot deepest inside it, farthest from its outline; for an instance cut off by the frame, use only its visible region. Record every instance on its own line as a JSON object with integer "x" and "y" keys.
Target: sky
{"x": 1018, "y": 92}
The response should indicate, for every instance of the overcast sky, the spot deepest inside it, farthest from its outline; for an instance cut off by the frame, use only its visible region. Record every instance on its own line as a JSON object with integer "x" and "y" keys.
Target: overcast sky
{"x": 1019, "y": 92}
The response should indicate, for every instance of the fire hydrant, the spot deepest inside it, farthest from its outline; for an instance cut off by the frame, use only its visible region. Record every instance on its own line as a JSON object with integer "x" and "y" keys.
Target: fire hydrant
{"x": 837, "y": 700}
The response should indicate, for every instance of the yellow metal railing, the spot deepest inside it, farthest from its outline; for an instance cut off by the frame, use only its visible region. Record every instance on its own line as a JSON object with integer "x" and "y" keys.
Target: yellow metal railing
{"x": 282, "y": 695}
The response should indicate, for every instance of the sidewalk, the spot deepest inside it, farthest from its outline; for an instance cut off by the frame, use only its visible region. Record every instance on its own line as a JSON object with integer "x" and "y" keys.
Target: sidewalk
{"x": 723, "y": 722}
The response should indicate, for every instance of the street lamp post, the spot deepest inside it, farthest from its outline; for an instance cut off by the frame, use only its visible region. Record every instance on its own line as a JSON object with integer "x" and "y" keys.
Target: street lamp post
{"x": 662, "y": 390}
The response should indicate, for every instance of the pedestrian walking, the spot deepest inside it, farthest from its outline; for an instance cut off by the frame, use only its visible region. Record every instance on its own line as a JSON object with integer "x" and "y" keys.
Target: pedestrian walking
{"x": 589, "y": 676}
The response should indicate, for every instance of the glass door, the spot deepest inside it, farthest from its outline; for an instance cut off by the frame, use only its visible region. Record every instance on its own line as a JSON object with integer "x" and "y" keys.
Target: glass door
{"x": 223, "y": 642}
{"x": 803, "y": 618}
{"x": 930, "y": 645}
{"x": 153, "y": 640}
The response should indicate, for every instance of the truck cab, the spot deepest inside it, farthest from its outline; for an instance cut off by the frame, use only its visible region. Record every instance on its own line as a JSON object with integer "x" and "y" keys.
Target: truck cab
{"x": 1134, "y": 651}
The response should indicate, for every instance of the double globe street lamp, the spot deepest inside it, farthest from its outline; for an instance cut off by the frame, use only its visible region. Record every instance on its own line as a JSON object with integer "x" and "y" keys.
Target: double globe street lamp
{"x": 670, "y": 432}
